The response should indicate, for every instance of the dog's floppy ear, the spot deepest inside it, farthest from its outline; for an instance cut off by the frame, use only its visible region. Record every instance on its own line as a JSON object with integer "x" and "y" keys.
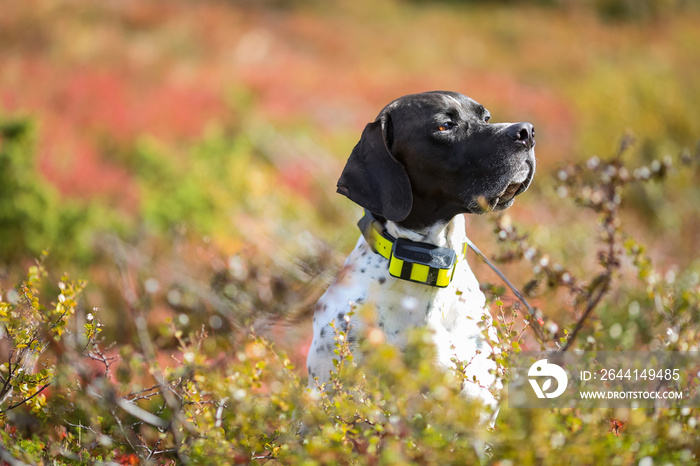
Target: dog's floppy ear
{"x": 373, "y": 178}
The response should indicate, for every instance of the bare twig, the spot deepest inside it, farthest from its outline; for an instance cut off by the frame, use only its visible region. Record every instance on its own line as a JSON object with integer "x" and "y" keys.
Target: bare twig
{"x": 24, "y": 400}
{"x": 533, "y": 314}
{"x": 145, "y": 416}
{"x": 601, "y": 284}
{"x": 6, "y": 457}
{"x": 590, "y": 306}
{"x": 149, "y": 353}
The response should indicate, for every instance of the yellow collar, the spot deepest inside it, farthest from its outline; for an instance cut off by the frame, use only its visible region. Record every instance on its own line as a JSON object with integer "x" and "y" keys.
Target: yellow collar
{"x": 409, "y": 260}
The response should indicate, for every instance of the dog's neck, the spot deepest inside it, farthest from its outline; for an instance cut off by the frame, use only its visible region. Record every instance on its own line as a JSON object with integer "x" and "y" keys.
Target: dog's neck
{"x": 444, "y": 234}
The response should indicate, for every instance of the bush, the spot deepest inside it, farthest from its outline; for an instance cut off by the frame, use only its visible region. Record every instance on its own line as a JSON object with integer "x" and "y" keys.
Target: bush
{"x": 615, "y": 10}
{"x": 239, "y": 399}
{"x": 31, "y": 216}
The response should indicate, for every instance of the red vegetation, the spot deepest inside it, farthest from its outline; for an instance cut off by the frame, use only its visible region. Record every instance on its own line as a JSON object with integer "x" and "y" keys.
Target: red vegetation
{"x": 93, "y": 107}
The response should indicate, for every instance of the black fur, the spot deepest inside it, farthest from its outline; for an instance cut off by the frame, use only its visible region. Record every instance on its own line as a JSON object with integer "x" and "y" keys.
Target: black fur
{"x": 430, "y": 156}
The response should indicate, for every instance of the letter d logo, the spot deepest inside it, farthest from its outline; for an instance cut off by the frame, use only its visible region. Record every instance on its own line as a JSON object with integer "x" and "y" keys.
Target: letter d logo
{"x": 542, "y": 368}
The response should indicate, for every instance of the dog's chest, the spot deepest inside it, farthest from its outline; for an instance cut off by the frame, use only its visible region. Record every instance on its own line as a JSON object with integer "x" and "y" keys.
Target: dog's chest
{"x": 452, "y": 313}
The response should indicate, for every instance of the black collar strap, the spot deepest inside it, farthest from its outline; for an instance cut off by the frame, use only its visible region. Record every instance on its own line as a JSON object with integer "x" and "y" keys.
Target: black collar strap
{"x": 417, "y": 262}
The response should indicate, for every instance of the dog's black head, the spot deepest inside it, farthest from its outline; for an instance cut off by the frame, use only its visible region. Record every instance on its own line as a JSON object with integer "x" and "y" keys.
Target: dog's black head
{"x": 430, "y": 156}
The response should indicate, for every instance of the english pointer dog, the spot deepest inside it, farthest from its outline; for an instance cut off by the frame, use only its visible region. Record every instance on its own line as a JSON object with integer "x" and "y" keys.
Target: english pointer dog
{"x": 427, "y": 159}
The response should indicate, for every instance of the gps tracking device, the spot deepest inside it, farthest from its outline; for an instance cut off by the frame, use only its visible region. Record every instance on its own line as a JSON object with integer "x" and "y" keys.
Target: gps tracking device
{"x": 409, "y": 260}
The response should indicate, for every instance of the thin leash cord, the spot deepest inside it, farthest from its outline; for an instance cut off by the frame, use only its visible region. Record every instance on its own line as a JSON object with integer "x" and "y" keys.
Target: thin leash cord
{"x": 534, "y": 320}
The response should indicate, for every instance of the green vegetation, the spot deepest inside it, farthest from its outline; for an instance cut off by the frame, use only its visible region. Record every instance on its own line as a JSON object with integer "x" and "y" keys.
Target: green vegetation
{"x": 182, "y": 160}
{"x": 31, "y": 216}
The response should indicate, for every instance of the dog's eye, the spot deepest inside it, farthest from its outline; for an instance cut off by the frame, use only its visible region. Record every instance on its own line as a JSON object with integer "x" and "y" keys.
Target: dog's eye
{"x": 446, "y": 126}
{"x": 487, "y": 118}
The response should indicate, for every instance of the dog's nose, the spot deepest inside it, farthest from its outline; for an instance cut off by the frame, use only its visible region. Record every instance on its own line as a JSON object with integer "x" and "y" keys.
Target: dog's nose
{"x": 523, "y": 133}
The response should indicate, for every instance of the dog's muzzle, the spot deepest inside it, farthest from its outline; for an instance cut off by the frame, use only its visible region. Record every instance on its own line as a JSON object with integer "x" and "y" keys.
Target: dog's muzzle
{"x": 522, "y": 133}
{"x": 511, "y": 191}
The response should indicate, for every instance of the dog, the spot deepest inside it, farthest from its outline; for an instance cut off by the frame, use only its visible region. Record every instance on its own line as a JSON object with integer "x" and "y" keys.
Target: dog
{"x": 427, "y": 159}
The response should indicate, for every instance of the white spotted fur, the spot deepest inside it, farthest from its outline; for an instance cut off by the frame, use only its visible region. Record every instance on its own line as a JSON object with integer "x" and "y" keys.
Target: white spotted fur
{"x": 451, "y": 313}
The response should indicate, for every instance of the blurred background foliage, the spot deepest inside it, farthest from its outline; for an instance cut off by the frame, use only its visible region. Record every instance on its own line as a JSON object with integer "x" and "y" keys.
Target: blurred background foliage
{"x": 224, "y": 125}
{"x": 181, "y": 156}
